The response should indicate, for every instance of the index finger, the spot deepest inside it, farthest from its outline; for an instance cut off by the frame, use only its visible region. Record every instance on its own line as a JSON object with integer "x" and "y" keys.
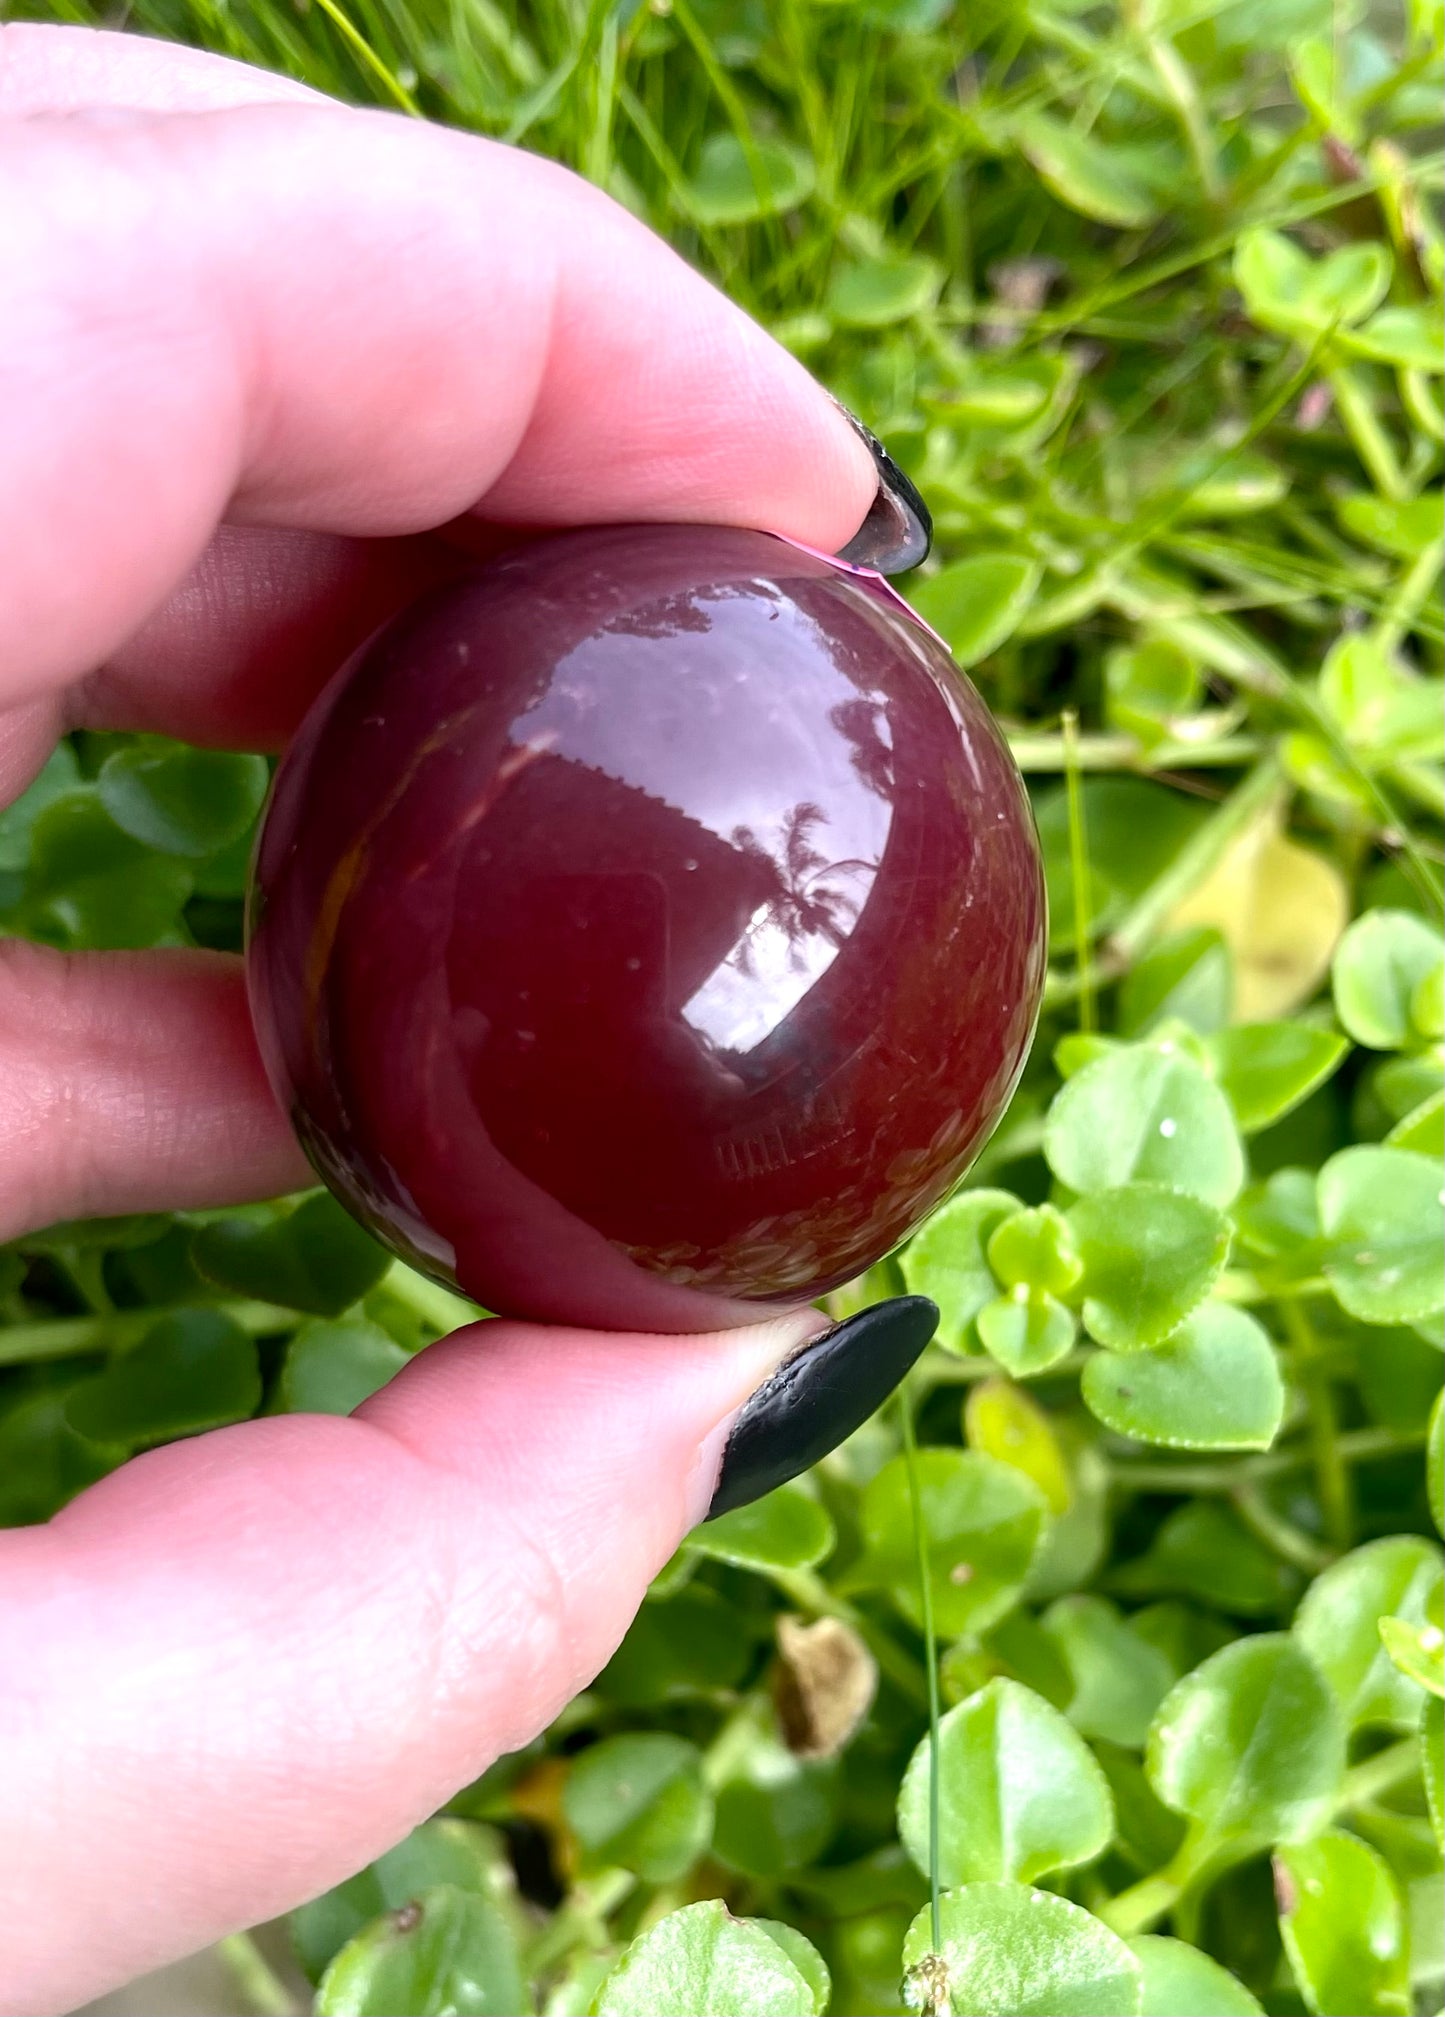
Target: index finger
{"x": 309, "y": 316}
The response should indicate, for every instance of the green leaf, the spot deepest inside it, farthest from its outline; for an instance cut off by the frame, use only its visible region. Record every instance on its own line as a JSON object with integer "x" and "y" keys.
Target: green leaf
{"x": 1435, "y": 1462}
{"x": 1266, "y": 1069}
{"x": 180, "y": 800}
{"x": 1000, "y": 1419}
{"x": 688, "y": 1644}
{"x": 776, "y": 1812}
{"x": 1412, "y": 339}
{"x": 1416, "y": 1649}
{"x": 1432, "y": 1749}
{"x": 192, "y": 1370}
{"x": 1009, "y": 1951}
{"x": 1381, "y": 1211}
{"x": 1106, "y": 180}
{"x": 1339, "y": 1624}
{"x": 787, "y": 1529}
{"x": 448, "y": 1953}
{"x": 1281, "y": 1215}
{"x": 1020, "y": 1793}
{"x": 1148, "y": 687}
{"x": 1186, "y": 978}
{"x": 1118, "y": 1678}
{"x": 1213, "y": 1385}
{"x": 1026, "y": 1332}
{"x": 1403, "y": 527}
{"x": 1285, "y": 289}
{"x": 1135, "y": 829}
{"x": 983, "y": 1522}
{"x": 1378, "y": 965}
{"x": 1250, "y": 1746}
{"x": 948, "y": 1260}
{"x": 1147, "y": 1114}
{"x": 737, "y": 184}
{"x": 1035, "y": 1249}
{"x": 639, "y": 1803}
{"x": 1381, "y": 704}
{"x": 90, "y": 884}
{"x": 456, "y": 1853}
{"x": 871, "y": 293}
{"x": 1342, "y": 1927}
{"x": 1422, "y": 1131}
{"x": 60, "y": 774}
{"x": 1179, "y": 1981}
{"x": 314, "y": 1258}
{"x": 701, "y": 1962}
{"x": 1150, "y": 1257}
{"x": 331, "y": 1369}
{"x": 1202, "y": 1551}
{"x": 975, "y": 605}
{"x": 804, "y": 1957}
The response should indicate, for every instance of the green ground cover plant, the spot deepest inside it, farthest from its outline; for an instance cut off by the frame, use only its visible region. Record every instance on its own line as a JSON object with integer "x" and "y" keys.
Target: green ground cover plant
{"x": 1147, "y": 298}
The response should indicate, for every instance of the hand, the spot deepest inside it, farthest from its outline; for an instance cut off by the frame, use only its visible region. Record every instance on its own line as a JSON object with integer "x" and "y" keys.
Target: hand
{"x": 256, "y": 347}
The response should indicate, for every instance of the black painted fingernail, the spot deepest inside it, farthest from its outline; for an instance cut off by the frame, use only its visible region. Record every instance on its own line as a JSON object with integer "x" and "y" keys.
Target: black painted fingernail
{"x": 819, "y": 1396}
{"x": 898, "y": 531}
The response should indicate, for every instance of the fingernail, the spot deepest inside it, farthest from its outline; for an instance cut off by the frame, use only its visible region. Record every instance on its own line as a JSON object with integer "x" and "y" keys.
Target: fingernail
{"x": 818, "y": 1397}
{"x": 898, "y": 531}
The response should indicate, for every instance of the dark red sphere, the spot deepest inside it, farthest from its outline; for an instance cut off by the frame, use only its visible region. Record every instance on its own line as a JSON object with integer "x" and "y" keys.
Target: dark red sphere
{"x": 647, "y": 927}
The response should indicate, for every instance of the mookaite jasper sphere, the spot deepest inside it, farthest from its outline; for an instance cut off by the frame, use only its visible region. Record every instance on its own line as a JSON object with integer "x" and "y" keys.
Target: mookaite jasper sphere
{"x": 648, "y": 927}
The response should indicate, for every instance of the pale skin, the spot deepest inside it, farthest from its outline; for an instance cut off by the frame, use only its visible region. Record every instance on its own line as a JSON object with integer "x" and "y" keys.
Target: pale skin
{"x": 255, "y": 346}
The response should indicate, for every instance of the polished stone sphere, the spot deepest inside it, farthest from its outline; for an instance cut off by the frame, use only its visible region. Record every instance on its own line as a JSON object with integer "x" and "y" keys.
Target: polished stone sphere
{"x": 647, "y": 927}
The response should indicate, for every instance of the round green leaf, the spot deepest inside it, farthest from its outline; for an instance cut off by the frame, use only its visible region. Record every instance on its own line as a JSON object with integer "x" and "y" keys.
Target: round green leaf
{"x": 691, "y": 1643}
{"x": 457, "y": 1853}
{"x": 1382, "y": 1212}
{"x": 1342, "y": 1928}
{"x": 314, "y": 1258}
{"x": 1035, "y": 1249}
{"x": 331, "y": 1369}
{"x": 1187, "y": 979}
{"x": 701, "y": 1962}
{"x": 1202, "y": 1551}
{"x": 60, "y": 774}
{"x": 983, "y": 1522}
{"x": 775, "y": 1811}
{"x": 871, "y": 293}
{"x": 1213, "y": 1385}
{"x": 1150, "y": 1257}
{"x": 1285, "y": 289}
{"x": 1339, "y": 1624}
{"x": 194, "y": 1369}
{"x": 948, "y": 1260}
{"x": 1379, "y": 963}
{"x": 1250, "y": 1746}
{"x": 737, "y": 184}
{"x": 448, "y": 1953}
{"x": 1020, "y": 1793}
{"x": 182, "y": 801}
{"x": 1422, "y": 1130}
{"x": 976, "y": 605}
{"x": 90, "y": 884}
{"x": 1145, "y": 1114}
{"x": 639, "y": 1802}
{"x": 787, "y": 1529}
{"x": 1179, "y": 1981}
{"x": 1118, "y": 1678}
{"x": 804, "y": 1957}
{"x": 1105, "y": 180}
{"x": 1265, "y": 1069}
{"x": 1009, "y": 1951}
{"x": 1026, "y": 1331}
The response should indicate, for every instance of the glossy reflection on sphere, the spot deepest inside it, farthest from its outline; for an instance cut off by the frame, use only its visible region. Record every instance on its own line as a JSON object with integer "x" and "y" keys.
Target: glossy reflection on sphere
{"x": 648, "y": 926}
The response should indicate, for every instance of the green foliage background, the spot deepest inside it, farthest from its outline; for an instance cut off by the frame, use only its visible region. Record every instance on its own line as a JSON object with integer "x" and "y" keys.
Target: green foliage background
{"x": 1147, "y": 298}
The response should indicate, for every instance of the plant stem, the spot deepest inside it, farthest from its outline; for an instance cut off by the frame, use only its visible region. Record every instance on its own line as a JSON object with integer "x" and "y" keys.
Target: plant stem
{"x": 1146, "y": 1902}
{"x": 69, "y": 1337}
{"x": 1381, "y": 1774}
{"x": 1355, "y": 1446}
{"x": 1280, "y": 1535}
{"x": 1079, "y": 864}
{"x": 440, "y": 1307}
{"x": 1332, "y": 1479}
{"x": 255, "y": 1978}
{"x": 582, "y": 1919}
{"x": 1371, "y": 443}
{"x": 1044, "y": 754}
{"x": 930, "y": 1655}
{"x": 1196, "y": 859}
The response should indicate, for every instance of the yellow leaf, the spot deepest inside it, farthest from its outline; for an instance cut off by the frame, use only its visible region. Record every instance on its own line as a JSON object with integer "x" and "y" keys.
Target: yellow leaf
{"x": 1280, "y": 909}
{"x": 1000, "y": 1419}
